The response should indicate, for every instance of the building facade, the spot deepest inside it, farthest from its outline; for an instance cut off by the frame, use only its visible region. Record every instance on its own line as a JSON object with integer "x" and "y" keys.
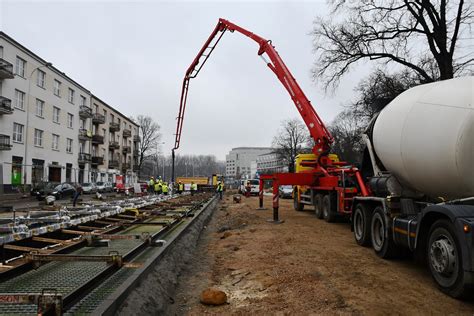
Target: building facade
{"x": 47, "y": 123}
{"x": 115, "y": 142}
{"x": 239, "y": 161}
{"x": 270, "y": 163}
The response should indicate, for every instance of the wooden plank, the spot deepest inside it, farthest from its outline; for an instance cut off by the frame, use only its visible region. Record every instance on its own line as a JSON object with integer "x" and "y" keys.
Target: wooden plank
{"x": 20, "y": 248}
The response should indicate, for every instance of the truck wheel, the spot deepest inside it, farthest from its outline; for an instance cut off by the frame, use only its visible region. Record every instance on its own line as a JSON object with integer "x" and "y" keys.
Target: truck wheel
{"x": 318, "y": 206}
{"x": 444, "y": 259}
{"x": 361, "y": 221}
{"x": 328, "y": 213}
{"x": 382, "y": 241}
{"x": 296, "y": 204}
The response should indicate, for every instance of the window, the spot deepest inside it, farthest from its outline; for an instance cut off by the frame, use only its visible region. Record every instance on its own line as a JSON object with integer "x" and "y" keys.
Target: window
{"x": 39, "y": 107}
{"x": 18, "y": 133}
{"x": 105, "y": 134}
{"x": 1, "y": 51}
{"x": 57, "y": 88}
{"x": 82, "y": 124}
{"x": 105, "y": 115}
{"x": 55, "y": 143}
{"x": 19, "y": 99}
{"x": 70, "y": 120}
{"x": 38, "y": 137}
{"x": 111, "y": 117}
{"x": 70, "y": 97}
{"x": 96, "y": 108}
{"x": 40, "y": 78}
{"x": 56, "y": 112}
{"x": 83, "y": 100}
{"x": 69, "y": 145}
{"x": 20, "y": 66}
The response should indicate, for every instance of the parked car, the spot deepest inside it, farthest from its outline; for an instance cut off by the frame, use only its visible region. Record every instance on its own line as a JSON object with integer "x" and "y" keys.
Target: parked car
{"x": 286, "y": 191}
{"x": 104, "y": 186}
{"x": 42, "y": 189}
{"x": 57, "y": 190}
{"x": 88, "y": 188}
{"x": 38, "y": 189}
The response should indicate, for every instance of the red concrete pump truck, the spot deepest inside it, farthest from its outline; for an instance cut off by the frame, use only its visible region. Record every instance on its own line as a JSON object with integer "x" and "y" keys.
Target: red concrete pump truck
{"x": 394, "y": 205}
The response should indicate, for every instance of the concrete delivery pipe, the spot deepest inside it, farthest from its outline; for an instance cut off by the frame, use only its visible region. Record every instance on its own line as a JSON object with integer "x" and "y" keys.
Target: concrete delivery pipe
{"x": 425, "y": 137}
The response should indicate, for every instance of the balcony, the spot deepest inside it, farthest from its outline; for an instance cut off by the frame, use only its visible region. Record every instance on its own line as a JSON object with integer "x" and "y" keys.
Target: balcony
{"x": 85, "y": 112}
{"x": 126, "y": 149}
{"x": 5, "y": 142}
{"x": 136, "y": 138}
{"x": 5, "y": 106}
{"x": 83, "y": 158}
{"x": 126, "y": 133}
{"x": 97, "y": 139}
{"x": 114, "y": 127}
{"x": 96, "y": 160}
{"x": 6, "y": 70}
{"x": 114, "y": 145}
{"x": 113, "y": 164}
{"x": 84, "y": 134}
{"x": 98, "y": 118}
{"x": 126, "y": 166}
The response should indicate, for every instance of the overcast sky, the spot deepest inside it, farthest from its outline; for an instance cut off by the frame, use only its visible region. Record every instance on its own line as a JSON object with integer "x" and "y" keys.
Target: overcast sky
{"x": 133, "y": 55}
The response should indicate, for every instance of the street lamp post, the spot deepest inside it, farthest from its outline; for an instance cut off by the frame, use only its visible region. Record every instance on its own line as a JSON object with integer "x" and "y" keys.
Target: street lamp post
{"x": 28, "y": 119}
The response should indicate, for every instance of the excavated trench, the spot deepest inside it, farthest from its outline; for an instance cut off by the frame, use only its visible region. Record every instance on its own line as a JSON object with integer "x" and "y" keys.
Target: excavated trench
{"x": 153, "y": 291}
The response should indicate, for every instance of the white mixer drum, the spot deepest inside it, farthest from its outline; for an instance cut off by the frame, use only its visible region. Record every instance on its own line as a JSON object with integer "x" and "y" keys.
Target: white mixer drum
{"x": 425, "y": 137}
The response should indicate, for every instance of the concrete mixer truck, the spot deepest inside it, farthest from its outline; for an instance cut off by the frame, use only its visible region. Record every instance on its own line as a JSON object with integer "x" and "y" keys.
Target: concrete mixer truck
{"x": 415, "y": 189}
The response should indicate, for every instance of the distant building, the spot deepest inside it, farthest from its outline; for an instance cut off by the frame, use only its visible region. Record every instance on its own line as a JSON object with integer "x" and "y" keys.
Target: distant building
{"x": 270, "y": 163}
{"x": 239, "y": 161}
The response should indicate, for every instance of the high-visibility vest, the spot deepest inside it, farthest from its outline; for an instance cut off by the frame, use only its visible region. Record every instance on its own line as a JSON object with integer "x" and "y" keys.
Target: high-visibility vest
{"x": 157, "y": 187}
{"x": 152, "y": 183}
{"x": 165, "y": 188}
{"x": 194, "y": 186}
{"x": 181, "y": 187}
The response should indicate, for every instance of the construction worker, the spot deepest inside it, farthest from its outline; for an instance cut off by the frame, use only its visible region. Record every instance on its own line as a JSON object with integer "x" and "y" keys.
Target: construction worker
{"x": 157, "y": 187}
{"x": 151, "y": 185}
{"x": 164, "y": 188}
{"x": 219, "y": 189}
{"x": 180, "y": 187}
{"x": 248, "y": 189}
{"x": 193, "y": 188}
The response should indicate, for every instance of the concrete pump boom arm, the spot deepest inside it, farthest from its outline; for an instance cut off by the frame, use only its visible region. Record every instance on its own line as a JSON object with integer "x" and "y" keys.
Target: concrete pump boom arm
{"x": 317, "y": 129}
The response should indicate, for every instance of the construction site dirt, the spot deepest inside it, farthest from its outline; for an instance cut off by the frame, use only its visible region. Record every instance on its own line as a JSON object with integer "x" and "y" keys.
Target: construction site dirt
{"x": 303, "y": 266}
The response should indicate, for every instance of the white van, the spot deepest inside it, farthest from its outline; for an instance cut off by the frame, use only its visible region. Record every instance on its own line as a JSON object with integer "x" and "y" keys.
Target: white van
{"x": 254, "y": 186}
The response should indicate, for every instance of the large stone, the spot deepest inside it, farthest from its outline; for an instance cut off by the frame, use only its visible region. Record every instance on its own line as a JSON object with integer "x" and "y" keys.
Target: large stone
{"x": 213, "y": 297}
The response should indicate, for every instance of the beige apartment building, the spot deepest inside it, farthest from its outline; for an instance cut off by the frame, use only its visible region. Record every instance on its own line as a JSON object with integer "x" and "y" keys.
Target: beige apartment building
{"x": 114, "y": 143}
{"x": 53, "y": 129}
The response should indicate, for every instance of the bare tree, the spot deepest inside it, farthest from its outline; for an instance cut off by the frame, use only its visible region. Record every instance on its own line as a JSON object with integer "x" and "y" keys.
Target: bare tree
{"x": 346, "y": 130}
{"x": 290, "y": 141}
{"x": 377, "y": 90}
{"x": 374, "y": 93}
{"x": 150, "y": 136}
{"x": 420, "y": 35}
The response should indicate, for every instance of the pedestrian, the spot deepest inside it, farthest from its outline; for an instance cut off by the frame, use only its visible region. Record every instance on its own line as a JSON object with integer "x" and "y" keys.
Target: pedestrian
{"x": 193, "y": 188}
{"x": 76, "y": 194}
{"x": 180, "y": 187}
{"x": 151, "y": 185}
{"x": 164, "y": 188}
{"x": 158, "y": 187}
{"x": 248, "y": 189}
{"x": 219, "y": 189}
